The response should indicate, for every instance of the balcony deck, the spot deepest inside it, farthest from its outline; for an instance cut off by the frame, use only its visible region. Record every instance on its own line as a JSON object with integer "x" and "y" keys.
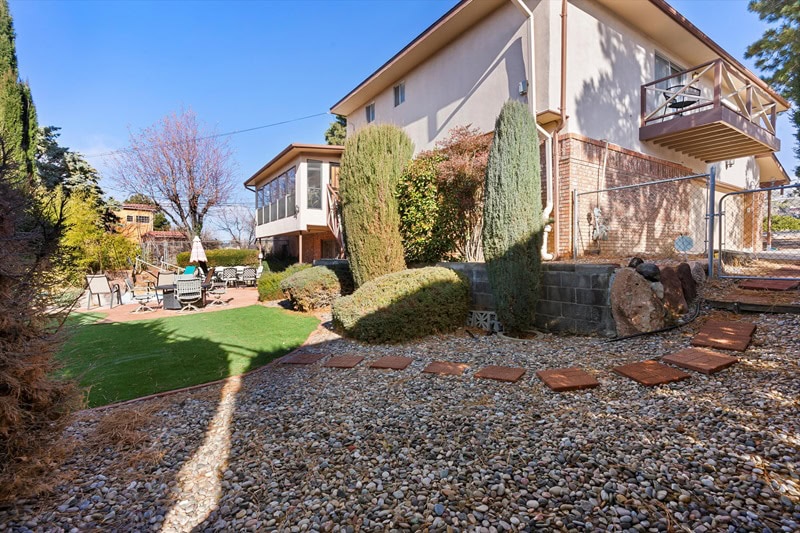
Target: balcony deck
{"x": 711, "y": 112}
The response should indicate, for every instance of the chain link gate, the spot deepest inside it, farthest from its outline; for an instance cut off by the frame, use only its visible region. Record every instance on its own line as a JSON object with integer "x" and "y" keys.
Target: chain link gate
{"x": 759, "y": 234}
{"x": 656, "y": 219}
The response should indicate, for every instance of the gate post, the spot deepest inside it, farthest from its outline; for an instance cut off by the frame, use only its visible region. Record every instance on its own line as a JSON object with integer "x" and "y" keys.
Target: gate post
{"x": 712, "y": 185}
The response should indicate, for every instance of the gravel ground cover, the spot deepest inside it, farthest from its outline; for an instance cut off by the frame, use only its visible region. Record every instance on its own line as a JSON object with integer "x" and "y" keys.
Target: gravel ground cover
{"x": 304, "y": 448}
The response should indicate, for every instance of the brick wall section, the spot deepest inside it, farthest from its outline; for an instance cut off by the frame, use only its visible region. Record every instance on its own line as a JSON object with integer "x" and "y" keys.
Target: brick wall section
{"x": 575, "y": 298}
{"x": 580, "y": 166}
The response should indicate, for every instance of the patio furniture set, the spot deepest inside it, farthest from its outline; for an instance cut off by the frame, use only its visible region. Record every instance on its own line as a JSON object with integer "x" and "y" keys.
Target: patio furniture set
{"x": 178, "y": 292}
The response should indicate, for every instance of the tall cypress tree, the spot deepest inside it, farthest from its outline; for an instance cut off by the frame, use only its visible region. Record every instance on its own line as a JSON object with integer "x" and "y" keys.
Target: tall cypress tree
{"x": 17, "y": 113}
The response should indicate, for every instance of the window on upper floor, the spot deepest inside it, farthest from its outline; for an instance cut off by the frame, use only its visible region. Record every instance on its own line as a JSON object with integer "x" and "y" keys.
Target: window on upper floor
{"x": 314, "y": 182}
{"x": 399, "y": 93}
{"x": 665, "y": 68}
{"x": 129, "y": 218}
{"x": 370, "y": 112}
{"x": 141, "y": 219}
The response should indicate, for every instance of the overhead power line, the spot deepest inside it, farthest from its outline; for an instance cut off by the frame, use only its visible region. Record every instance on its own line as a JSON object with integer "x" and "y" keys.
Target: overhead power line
{"x": 214, "y": 136}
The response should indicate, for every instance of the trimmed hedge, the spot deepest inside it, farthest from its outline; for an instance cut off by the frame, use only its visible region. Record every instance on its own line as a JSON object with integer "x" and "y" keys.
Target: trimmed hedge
{"x": 317, "y": 287}
{"x": 512, "y": 217}
{"x": 224, "y": 257}
{"x": 372, "y": 163}
{"x": 404, "y": 305}
{"x": 269, "y": 284}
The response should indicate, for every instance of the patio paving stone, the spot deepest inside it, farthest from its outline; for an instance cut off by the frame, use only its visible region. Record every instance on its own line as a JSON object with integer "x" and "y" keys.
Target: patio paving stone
{"x": 700, "y": 359}
{"x": 500, "y": 373}
{"x": 726, "y": 335}
{"x": 651, "y": 373}
{"x": 567, "y": 379}
{"x": 446, "y": 368}
{"x": 302, "y": 359}
{"x": 769, "y": 284}
{"x": 392, "y": 362}
{"x": 343, "y": 361}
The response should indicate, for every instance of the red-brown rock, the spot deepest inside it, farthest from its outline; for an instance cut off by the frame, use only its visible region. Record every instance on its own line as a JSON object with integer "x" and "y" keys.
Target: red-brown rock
{"x": 688, "y": 284}
{"x": 674, "y": 301}
{"x": 636, "y": 309}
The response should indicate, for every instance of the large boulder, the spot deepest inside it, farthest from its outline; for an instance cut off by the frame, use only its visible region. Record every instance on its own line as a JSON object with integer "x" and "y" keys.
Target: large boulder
{"x": 688, "y": 283}
{"x": 634, "y": 305}
{"x": 674, "y": 302}
{"x": 635, "y": 262}
{"x": 650, "y": 271}
{"x": 699, "y": 272}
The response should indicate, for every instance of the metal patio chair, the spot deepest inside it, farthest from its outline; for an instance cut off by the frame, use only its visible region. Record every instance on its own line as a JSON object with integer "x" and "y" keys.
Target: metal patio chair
{"x": 229, "y": 276}
{"x": 188, "y": 291}
{"x": 141, "y": 298}
{"x": 249, "y": 276}
{"x": 98, "y": 285}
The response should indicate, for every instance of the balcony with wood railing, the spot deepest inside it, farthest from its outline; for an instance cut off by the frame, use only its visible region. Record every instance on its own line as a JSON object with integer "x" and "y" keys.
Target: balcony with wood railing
{"x": 711, "y": 112}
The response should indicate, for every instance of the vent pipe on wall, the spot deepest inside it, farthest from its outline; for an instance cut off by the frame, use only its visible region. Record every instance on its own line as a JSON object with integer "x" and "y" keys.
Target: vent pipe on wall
{"x": 531, "y": 92}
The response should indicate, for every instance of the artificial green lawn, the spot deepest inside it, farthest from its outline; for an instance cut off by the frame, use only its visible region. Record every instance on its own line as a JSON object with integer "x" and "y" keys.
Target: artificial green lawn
{"x": 126, "y": 360}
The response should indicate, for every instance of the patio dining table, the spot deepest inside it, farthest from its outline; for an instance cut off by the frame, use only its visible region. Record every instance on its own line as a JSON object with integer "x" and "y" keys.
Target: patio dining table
{"x": 170, "y": 296}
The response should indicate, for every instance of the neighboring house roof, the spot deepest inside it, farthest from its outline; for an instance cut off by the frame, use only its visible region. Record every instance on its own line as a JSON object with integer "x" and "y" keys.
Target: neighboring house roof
{"x": 169, "y": 234}
{"x": 646, "y": 15}
{"x": 290, "y": 152}
{"x": 771, "y": 171}
{"x": 139, "y": 207}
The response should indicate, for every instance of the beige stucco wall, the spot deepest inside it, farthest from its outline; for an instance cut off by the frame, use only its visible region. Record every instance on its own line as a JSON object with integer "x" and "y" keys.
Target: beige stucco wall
{"x": 467, "y": 82}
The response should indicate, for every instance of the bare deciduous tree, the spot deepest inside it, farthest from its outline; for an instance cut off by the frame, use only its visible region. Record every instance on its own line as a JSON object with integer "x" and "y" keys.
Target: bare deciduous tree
{"x": 183, "y": 168}
{"x": 239, "y": 223}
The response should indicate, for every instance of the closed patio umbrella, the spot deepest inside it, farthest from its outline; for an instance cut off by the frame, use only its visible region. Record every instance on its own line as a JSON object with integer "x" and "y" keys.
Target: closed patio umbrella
{"x": 198, "y": 255}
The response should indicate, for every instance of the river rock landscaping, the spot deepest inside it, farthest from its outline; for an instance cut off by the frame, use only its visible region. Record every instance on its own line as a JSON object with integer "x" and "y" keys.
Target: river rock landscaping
{"x": 311, "y": 448}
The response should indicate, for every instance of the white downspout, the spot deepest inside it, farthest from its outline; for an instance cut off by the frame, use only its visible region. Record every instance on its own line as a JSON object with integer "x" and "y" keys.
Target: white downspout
{"x": 548, "y": 208}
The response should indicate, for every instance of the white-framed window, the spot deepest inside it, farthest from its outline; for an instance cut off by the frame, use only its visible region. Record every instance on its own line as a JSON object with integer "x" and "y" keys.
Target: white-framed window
{"x": 399, "y": 93}
{"x": 314, "y": 183}
{"x": 664, "y": 67}
{"x": 370, "y": 112}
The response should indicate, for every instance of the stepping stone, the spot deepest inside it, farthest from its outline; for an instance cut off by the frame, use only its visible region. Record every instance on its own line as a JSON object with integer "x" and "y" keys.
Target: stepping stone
{"x": 567, "y": 379}
{"x": 343, "y": 361}
{"x": 446, "y": 368}
{"x": 700, "y": 359}
{"x": 302, "y": 359}
{"x": 651, "y": 373}
{"x": 769, "y": 284}
{"x": 501, "y": 373}
{"x": 392, "y": 362}
{"x": 725, "y": 335}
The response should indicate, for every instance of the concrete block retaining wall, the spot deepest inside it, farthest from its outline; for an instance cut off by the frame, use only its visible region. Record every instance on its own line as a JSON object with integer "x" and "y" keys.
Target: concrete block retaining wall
{"x": 575, "y": 297}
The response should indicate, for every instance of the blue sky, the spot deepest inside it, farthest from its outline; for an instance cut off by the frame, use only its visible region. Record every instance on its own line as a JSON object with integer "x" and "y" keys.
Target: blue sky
{"x": 98, "y": 68}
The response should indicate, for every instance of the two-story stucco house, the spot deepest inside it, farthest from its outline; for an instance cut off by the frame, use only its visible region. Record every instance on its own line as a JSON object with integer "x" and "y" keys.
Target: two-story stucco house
{"x": 295, "y": 197}
{"x": 624, "y": 91}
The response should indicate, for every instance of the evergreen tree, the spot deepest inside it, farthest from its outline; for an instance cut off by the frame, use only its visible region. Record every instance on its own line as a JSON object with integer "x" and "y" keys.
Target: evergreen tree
{"x": 17, "y": 113}
{"x": 512, "y": 217}
{"x": 337, "y": 131}
{"x": 372, "y": 164}
{"x": 777, "y": 52}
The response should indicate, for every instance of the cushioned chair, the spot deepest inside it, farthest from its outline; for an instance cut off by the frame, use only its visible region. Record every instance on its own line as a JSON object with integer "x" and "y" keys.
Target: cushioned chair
{"x": 189, "y": 291}
{"x": 142, "y": 296}
{"x": 164, "y": 279}
{"x": 99, "y": 284}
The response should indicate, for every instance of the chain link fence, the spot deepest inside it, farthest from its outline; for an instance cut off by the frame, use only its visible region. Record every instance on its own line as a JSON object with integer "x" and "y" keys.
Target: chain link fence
{"x": 759, "y": 233}
{"x": 657, "y": 219}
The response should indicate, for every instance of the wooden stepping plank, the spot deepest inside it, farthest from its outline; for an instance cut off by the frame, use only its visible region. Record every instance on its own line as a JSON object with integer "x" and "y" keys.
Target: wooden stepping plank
{"x": 501, "y": 373}
{"x": 567, "y": 379}
{"x": 302, "y": 359}
{"x": 738, "y": 343}
{"x": 769, "y": 284}
{"x": 392, "y": 362}
{"x": 700, "y": 359}
{"x": 729, "y": 326}
{"x": 343, "y": 361}
{"x": 446, "y": 368}
{"x": 651, "y": 373}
